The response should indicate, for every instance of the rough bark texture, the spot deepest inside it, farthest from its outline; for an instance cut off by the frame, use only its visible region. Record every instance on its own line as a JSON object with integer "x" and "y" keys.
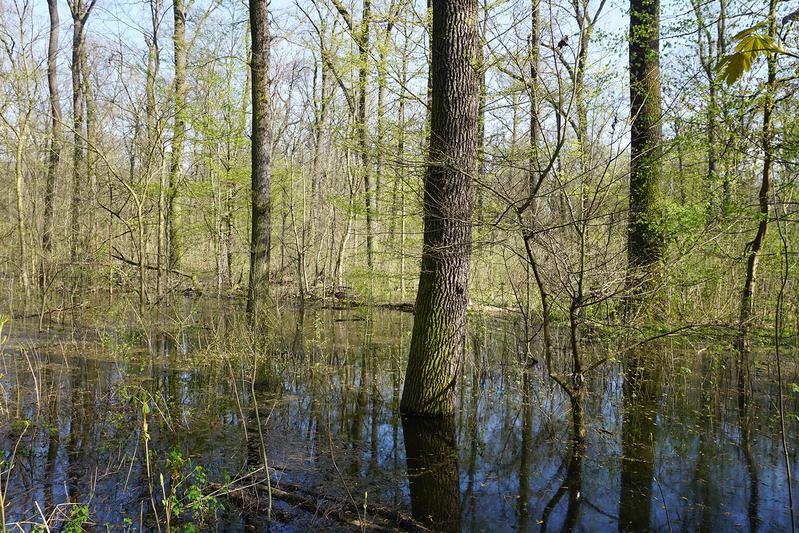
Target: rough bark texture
{"x": 78, "y": 170}
{"x": 261, "y": 202}
{"x": 645, "y": 244}
{"x": 437, "y": 342}
{"x": 55, "y": 128}
{"x": 363, "y": 141}
{"x": 178, "y": 134}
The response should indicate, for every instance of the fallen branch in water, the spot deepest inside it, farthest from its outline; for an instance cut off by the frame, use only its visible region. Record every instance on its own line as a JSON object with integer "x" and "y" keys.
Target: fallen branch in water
{"x": 330, "y": 507}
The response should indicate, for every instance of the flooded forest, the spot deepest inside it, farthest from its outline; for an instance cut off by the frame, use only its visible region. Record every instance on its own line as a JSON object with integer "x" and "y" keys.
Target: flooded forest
{"x": 399, "y": 265}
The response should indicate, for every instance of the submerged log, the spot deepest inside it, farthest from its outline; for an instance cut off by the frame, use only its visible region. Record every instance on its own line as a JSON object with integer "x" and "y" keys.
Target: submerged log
{"x": 253, "y": 497}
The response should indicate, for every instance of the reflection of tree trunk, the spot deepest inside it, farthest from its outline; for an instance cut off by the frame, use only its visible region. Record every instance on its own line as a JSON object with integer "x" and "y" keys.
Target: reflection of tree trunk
{"x": 298, "y": 343}
{"x": 54, "y": 443}
{"x": 745, "y": 426}
{"x": 641, "y": 390}
{"x": 358, "y": 417}
{"x": 474, "y": 441}
{"x": 433, "y": 477}
{"x": 572, "y": 484}
{"x": 702, "y": 472}
{"x": 526, "y": 444}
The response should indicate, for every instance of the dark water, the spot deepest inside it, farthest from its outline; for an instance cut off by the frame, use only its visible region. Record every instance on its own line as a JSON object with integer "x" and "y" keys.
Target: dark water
{"x": 670, "y": 450}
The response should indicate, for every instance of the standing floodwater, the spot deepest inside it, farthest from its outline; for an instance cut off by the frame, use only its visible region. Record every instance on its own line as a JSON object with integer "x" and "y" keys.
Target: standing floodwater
{"x": 119, "y": 428}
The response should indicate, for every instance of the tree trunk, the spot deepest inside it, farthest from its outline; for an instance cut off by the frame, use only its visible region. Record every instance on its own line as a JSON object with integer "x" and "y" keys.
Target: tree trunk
{"x": 261, "y": 141}
{"x": 153, "y": 145}
{"x": 178, "y": 134}
{"x": 437, "y": 342}
{"x": 754, "y": 247}
{"x": 77, "y": 129}
{"x": 22, "y": 232}
{"x": 363, "y": 141}
{"x": 645, "y": 245}
{"x": 55, "y": 129}
{"x": 91, "y": 159}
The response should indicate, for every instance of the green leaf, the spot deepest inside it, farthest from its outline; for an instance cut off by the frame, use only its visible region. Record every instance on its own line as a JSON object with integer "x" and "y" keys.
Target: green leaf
{"x": 751, "y": 44}
{"x": 748, "y": 31}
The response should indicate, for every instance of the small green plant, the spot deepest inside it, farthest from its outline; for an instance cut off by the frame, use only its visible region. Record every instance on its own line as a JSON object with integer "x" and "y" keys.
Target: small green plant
{"x": 78, "y": 516}
{"x": 187, "y": 492}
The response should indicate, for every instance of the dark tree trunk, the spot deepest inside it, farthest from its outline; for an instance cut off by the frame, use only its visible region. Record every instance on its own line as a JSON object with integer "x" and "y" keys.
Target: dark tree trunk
{"x": 433, "y": 479}
{"x": 55, "y": 128}
{"x": 645, "y": 245}
{"x": 641, "y": 394}
{"x": 437, "y": 342}
{"x": 261, "y": 141}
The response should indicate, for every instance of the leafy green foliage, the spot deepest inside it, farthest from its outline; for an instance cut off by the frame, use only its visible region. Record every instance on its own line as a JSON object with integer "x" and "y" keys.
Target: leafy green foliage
{"x": 78, "y": 516}
{"x": 751, "y": 43}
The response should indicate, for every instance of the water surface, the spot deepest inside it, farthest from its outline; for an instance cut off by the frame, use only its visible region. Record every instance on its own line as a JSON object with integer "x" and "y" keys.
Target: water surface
{"x": 673, "y": 451}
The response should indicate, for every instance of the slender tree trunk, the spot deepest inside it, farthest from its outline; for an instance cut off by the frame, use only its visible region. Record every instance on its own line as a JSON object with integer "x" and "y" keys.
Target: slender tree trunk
{"x": 22, "y": 232}
{"x": 754, "y": 247}
{"x": 78, "y": 170}
{"x": 645, "y": 245}
{"x": 91, "y": 159}
{"x": 363, "y": 140}
{"x": 481, "y": 116}
{"x": 55, "y": 138}
{"x": 381, "y": 107}
{"x": 261, "y": 141}
{"x": 178, "y": 134}
{"x": 437, "y": 342}
{"x": 153, "y": 146}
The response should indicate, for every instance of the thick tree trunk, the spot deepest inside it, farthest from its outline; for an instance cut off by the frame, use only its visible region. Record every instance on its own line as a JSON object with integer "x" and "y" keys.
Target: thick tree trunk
{"x": 645, "y": 245}
{"x": 261, "y": 141}
{"x": 437, "y": 342}
{"x": 55, "y": 130}
{"x": 638, "y": 441}
{"x": 432, "y": 463}
{"x": 178, "y": 134}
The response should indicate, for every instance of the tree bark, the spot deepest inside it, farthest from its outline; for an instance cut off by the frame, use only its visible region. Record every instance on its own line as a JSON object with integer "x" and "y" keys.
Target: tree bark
{"x": 79, "y": 15}
{"x": 178, "y": 134}
{"x": 261, "y": 227}
{"x": 363, "y": 141}
{"x": 55, "y": 131}
{"x": 437, "y": 341}
{"x": 645, "y": 245}
{"x": 755, "y": 245}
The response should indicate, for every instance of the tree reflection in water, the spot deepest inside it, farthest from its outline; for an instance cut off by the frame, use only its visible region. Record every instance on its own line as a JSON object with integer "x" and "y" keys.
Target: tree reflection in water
{"x": 639, "y": 430}
{"x": 432, "y": 463}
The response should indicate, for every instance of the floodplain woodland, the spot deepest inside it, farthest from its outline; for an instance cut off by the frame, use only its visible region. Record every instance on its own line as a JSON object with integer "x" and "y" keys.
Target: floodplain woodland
{"x": 399, "y": 265}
